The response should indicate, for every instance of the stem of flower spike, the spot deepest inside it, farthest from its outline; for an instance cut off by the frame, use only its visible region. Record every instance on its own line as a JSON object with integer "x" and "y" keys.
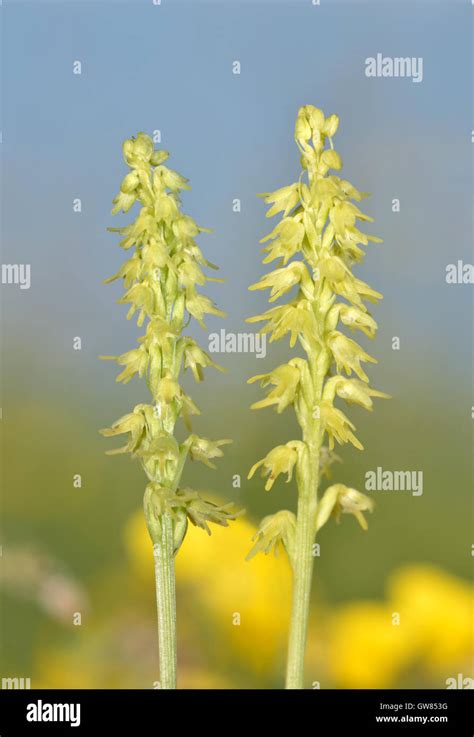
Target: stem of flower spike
{"x": 302, "y": 574}
{"x": 166, "y": 602}
{"x": 302, "y": 557}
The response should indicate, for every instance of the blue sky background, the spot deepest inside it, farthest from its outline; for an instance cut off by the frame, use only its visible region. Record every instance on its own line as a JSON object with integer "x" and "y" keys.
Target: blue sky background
{"x": 168, "y": 67}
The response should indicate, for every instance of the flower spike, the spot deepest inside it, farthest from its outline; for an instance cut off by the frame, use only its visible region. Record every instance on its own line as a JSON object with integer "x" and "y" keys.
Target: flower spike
{"x": 161, "y": 280}
{"x": 316, "y": 245}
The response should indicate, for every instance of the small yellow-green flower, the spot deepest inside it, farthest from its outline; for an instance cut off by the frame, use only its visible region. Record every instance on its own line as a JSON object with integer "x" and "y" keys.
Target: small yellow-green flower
{"x": 275, "y": 531}
{"x": 353, "y": 391}
{"x": 340, "y": 498}
{"x": 280, "y": 460}
{"x": 281, "y": 281}
{"x": 294, "y": 318}
{"x": 337, "y": 426}
{"x": 286, "y": 240}
{"x": 134, "y": 423}
{"x": 196, "y": 359}
{"x": 202, "y": 449}
{"x": 348, "y": 354}
{"x": 356, "y": 319}
{"x": 285, "y": 379}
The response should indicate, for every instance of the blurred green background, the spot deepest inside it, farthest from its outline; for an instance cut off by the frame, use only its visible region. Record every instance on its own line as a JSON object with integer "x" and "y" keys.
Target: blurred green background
{"x": 68, "y": 549}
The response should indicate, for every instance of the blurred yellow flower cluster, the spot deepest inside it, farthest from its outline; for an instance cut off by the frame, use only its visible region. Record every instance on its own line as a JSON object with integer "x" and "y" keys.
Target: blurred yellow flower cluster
{"x": 234, "y": 621}
{"x": 245, "y": 605}
{"x": 423, "y": 629}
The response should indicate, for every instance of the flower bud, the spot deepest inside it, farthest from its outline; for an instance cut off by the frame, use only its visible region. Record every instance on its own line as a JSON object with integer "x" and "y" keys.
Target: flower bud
{"x": 168, "y": 389}
{"x": 153, "y": 508}
{"x": 158, "y": 157}
{"x": 315, "y": 117}
{"x": 302, "y": 129}
{"x": 143, "y": 147}
{"x": 332, "y": 268}
{"x": 331, "y": 159}
{"x": 130, "y": 182}
{"x": 331, "y": 125}
{"x": 180, "y": 526}
{"x": 178, "y": 311}
{"x": 172, "y": 180}
{"x": 185, "y": 227}
{"x": 127, "y": 148}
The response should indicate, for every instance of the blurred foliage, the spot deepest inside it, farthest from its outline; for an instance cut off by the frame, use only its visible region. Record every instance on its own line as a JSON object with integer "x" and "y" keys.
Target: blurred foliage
{"x": 86, "y": 549}
{"x": 234, "y": 618}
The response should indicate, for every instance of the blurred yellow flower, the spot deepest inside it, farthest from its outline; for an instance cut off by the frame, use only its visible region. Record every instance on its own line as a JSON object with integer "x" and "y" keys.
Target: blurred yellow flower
{"x": 247, "y": 604}
{"x": 425, "y": 627}
{"x": 439, "y": 609}
{"x": 365, "y": 650}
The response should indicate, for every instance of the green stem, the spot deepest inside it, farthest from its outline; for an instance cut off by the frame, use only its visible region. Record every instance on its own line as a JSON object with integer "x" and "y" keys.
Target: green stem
{"x": 302, "y": 554}
{"x": 166, "y": 603}
{"x": 302, "y": 577}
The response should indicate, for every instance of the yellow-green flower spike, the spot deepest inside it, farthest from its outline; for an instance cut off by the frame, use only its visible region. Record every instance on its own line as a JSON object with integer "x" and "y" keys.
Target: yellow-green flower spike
{"x": 160, "y": 278}
{"x": 314, "y": 249}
